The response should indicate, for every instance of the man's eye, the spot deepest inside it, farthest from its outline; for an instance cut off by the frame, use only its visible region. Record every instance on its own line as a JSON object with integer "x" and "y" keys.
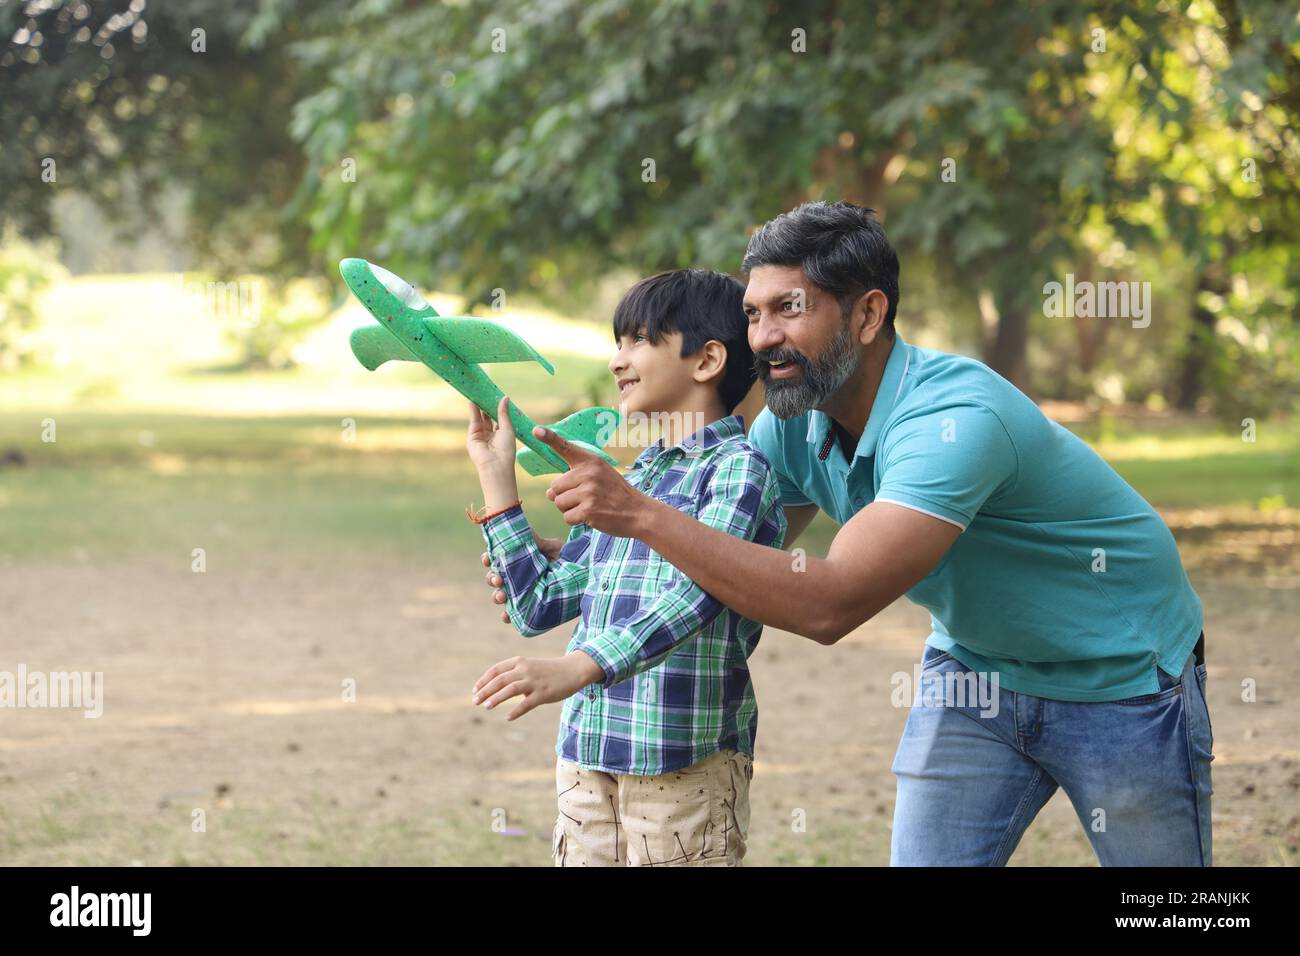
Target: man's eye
{"x": 640, "y": 336}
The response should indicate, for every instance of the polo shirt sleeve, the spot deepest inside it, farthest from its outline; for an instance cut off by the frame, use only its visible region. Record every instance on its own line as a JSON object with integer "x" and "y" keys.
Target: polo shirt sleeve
{"x": 947, "y": 462}
{"x": 767, "y": 436}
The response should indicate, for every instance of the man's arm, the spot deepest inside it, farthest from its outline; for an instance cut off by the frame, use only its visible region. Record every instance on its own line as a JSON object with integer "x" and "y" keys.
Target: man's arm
{"x": 875, "y": 558}
{"x": 739, "y": 502}
{"x": 797, "y": 518}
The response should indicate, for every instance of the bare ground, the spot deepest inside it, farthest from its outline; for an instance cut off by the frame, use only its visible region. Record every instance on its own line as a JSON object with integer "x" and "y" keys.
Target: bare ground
{"x": 224, "y": 694}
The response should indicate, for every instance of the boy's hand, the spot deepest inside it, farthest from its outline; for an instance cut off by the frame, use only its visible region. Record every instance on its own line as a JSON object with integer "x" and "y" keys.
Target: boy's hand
{"x": 540, "y": 680}
{"x": 492, "y": 450}
{"x": 491, "y": 445}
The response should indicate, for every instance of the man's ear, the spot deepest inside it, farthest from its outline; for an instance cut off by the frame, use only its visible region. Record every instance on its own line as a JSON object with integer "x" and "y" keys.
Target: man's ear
{"x": 869, "y": 315}
{"x": 712, "y": 359}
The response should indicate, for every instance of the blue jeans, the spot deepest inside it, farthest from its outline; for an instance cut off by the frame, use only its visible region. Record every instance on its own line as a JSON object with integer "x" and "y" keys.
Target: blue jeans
{"x": 971, "y": 775}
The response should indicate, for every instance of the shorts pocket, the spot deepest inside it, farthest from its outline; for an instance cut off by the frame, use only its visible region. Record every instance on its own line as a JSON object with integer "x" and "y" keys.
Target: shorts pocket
{"x": 557, "y": 841}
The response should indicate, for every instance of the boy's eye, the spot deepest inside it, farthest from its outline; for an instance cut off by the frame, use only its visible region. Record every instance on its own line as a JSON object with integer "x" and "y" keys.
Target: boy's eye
{"x": 640, "y": 336}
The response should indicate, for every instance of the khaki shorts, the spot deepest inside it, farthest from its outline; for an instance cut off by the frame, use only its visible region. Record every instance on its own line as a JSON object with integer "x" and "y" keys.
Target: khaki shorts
{"x": 696, "y": 816}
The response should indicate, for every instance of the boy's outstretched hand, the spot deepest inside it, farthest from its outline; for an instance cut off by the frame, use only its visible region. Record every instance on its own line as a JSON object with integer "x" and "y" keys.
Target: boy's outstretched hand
{"x": 539, "y": 680}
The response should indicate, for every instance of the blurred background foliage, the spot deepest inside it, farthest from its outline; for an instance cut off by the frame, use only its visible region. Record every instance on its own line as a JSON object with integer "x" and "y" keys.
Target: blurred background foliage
{"x": 25, "y": 271}
{"x": 506, "y": 148}
{"x": 178, "y": 179}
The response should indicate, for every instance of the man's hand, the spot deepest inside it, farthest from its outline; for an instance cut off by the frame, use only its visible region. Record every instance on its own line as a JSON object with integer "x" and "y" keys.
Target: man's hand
{"x": 551, "y": 547}
{"x": 593, "y": 493}
{"x": 539, "y": 680}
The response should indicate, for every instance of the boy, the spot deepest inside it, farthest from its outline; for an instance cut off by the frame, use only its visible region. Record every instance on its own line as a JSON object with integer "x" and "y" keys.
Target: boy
{"x": 657, "y": 734}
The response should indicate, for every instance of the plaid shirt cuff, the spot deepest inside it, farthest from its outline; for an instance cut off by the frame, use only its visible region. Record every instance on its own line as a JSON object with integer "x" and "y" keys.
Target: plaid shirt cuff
{"x": 610, "y": 654}
{"x": 507, "y": 533}
{"x": 514, "y": 555}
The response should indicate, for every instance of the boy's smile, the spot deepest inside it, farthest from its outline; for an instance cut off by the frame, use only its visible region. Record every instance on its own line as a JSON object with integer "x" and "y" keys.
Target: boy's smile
{"x": 651, "y": 376}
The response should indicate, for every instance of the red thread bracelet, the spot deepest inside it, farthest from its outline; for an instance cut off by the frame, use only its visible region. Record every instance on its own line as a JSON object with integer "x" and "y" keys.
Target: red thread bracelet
{"x": 482, "y": 518}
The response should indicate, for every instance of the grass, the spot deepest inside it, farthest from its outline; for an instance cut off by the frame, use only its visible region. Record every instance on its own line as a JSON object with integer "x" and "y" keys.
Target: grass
{"x": 155, "y": 452}
{"x": 136, "y": 482}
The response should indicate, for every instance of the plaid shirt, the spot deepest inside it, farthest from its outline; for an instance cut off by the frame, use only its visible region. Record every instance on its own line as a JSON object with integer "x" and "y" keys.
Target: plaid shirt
{"x": 676, "y": 687}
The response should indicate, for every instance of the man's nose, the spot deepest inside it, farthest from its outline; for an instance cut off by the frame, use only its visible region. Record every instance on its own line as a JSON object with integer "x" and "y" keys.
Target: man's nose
{"x": 765, "y": 334}
{"x": 617, "y": 363}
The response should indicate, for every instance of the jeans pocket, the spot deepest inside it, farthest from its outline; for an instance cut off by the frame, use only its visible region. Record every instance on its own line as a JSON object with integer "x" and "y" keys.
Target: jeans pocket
{"x": 1152, "y": 698}
{"x": 933, "y": 657}
{"x": 1205, "y": 701}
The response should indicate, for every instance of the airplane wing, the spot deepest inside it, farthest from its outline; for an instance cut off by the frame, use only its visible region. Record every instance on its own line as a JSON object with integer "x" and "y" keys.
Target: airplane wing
{"x": 593, "y": 427}
{"x": 373, "y": 345}
{"x": 590, "y": 429}
{"x": 482, "y": 340}
{"x": 473, "y": 340}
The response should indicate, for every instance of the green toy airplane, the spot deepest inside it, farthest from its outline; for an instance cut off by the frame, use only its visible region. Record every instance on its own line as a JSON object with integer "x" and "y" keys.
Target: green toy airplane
{"x": 409, "y": 330}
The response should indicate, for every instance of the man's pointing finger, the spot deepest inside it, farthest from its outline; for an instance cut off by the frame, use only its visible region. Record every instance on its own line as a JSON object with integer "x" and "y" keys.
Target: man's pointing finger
{"x": 571, "y": 454}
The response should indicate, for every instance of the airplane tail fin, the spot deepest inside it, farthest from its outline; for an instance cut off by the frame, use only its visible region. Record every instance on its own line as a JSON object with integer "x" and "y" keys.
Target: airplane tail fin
{"x": 590, "y": 429}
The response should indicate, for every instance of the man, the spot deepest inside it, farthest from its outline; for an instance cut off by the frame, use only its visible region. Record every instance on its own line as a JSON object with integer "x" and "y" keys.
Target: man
{"x": 1048, "y": 578}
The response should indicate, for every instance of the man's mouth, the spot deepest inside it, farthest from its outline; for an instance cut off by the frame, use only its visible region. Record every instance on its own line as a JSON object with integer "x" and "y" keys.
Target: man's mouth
{"x": 779, "y": 367}
{"x": 626, "y": 383}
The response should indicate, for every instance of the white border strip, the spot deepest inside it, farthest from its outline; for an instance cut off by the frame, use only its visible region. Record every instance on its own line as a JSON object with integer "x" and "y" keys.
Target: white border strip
{"x": 902, "y": 504}
{"x": 901, "y": 379}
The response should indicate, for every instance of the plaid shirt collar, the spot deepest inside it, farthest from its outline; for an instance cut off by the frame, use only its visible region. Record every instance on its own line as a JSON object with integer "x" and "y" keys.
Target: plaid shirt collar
{"x": 706, "y": 439}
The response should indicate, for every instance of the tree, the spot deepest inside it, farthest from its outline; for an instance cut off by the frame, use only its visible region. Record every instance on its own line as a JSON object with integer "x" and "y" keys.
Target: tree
{"x": 120, "y": 100}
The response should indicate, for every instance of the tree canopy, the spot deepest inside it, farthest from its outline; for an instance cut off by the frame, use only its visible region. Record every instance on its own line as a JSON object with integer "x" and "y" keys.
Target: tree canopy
{"x": 535, "y": 144}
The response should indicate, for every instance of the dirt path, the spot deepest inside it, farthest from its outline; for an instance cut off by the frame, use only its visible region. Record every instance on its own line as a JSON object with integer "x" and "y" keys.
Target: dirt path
{"x": 223, "y": 692}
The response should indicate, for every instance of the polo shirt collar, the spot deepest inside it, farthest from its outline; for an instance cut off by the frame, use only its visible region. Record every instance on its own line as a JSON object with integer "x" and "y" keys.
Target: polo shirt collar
{"x": 706, "y": 439}
{"x": 887, "y": 395}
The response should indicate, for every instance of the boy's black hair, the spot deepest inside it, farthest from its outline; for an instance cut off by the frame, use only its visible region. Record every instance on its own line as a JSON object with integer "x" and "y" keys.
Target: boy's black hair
{"x": 701, "y": 305}
{"x": 840, "y": 246}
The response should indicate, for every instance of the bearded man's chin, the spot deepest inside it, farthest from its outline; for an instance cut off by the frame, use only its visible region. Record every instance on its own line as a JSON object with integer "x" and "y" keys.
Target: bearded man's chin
{"x": 783, "y": 405}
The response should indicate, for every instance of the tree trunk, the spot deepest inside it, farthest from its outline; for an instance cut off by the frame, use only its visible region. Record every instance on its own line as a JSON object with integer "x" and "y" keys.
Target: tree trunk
{"x": 1199, "y": 348}
{"x": 1006, "y": 353}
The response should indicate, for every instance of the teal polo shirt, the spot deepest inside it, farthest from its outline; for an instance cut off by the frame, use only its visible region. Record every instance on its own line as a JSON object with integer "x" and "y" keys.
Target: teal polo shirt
{"x": 1064, "y": 580}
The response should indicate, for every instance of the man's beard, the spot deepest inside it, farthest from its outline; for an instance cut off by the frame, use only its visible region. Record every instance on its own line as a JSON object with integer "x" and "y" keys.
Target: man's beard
{"x": 819, "y": 378}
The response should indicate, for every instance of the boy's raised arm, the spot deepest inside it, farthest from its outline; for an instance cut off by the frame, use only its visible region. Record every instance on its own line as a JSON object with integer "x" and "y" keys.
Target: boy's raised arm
{"x": 541, "y": 593}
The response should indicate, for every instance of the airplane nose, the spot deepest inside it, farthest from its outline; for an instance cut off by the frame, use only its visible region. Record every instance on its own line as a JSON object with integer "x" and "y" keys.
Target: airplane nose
{"x": 399, "y": 287}
{"x": 352, "y": 270}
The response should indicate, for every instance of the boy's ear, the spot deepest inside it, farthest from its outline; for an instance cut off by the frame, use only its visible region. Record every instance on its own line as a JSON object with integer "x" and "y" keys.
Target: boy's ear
{"x": 711, "y": 359}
